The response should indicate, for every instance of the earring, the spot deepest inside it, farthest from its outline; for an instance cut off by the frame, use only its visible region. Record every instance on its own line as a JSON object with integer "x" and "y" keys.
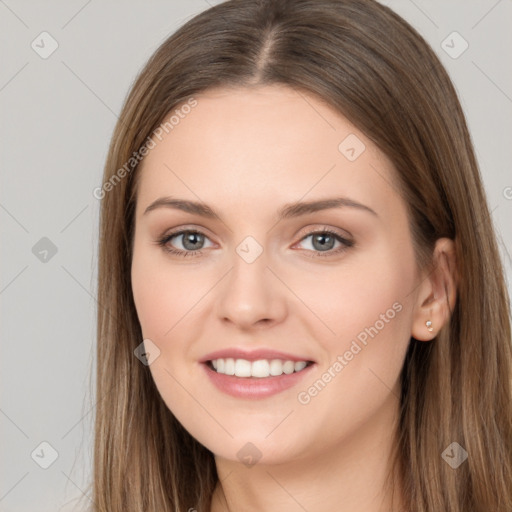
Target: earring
{"x": 428, "y": 323}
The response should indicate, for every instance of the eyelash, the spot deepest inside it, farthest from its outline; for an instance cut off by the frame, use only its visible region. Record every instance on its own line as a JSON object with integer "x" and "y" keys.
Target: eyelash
{"x": 321, "y": 254}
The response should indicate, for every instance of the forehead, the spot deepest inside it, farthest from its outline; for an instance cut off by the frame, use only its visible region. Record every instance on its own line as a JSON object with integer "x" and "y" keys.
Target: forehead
{"x": 254, "y": 144}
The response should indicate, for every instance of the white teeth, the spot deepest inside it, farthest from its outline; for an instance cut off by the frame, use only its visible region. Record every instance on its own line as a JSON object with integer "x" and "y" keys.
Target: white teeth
{"x": 300, "y": 365}
{"x": 288, "y": 367}
{"x": 260, "y": 368}
{"x": 242, "y": 368}
{"x": 229, "y": 367}
{"x": 276, "y": 367}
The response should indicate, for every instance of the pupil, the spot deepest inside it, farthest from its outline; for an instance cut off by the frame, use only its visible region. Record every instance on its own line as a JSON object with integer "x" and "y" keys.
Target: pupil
{"x": 323, "y": 244}
{"x": 190, "y": 239}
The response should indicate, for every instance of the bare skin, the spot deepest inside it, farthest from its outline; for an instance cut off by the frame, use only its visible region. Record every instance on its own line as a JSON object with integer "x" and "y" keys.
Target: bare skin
{"x": 247, "y": 153}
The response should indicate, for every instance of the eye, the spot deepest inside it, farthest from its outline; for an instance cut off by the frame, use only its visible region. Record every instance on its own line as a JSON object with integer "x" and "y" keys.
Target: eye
{"x": 323, "y": 242}
{"x": 191, "y": 241}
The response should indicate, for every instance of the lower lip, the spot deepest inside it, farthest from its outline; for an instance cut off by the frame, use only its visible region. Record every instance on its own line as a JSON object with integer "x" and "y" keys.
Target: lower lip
{"x": 254, "y": 387}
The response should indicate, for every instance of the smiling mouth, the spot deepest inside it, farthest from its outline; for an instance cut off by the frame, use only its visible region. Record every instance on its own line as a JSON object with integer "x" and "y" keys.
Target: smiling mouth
{"x": 260, "y": 368}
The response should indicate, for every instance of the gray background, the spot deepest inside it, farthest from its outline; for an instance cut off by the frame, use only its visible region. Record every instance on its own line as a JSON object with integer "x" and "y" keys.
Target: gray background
{"x": 58, "y": 114}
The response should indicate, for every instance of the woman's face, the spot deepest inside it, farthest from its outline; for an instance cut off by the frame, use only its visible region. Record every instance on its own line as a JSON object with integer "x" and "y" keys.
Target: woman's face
{"x": 259, "y": 288}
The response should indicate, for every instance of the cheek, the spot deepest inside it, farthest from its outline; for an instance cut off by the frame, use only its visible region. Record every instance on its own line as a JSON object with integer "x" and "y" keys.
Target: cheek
{"x": 160, "y": 293}
{"x": 163, "y": 296}
{"x": 368, "y": 307}
{"x": 152, "y": 306}
{"x": 359, "y": 377}
{"x": 360, "y": 297}
{"x": 371, "y": 316}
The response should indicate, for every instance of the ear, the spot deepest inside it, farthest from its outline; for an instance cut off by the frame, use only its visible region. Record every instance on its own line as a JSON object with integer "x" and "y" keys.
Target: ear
{"x": 437, "y": 292}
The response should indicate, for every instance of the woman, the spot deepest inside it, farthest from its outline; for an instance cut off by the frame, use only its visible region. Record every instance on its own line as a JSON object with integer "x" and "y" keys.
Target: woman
{"x": 303, "y": 305}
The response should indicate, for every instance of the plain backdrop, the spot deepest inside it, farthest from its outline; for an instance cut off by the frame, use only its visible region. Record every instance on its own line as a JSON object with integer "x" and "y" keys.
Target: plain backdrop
{"x": 58, "y": 113}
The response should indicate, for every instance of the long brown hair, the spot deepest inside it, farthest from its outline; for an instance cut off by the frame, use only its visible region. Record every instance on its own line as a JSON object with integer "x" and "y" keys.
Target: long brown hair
{"x": 369, "y": 64}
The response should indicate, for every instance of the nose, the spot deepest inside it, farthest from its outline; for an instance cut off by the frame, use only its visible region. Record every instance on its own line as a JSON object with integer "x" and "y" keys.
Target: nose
{"x": 251, "y": 296}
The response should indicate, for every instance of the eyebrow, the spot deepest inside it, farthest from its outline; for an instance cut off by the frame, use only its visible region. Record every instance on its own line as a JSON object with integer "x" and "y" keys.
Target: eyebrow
{"x": 288, "y": 211}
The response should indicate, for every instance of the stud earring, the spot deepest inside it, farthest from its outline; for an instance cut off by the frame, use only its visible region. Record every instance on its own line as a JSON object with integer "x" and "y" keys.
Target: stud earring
{"x": 428, "y": 323}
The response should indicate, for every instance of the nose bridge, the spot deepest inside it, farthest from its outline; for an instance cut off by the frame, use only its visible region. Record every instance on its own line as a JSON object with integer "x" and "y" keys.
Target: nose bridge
{"x": 251, "y": 293}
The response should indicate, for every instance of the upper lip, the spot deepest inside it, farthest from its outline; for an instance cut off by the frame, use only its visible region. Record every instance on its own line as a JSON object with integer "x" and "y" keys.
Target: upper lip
{"x": 252, "y": 355}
